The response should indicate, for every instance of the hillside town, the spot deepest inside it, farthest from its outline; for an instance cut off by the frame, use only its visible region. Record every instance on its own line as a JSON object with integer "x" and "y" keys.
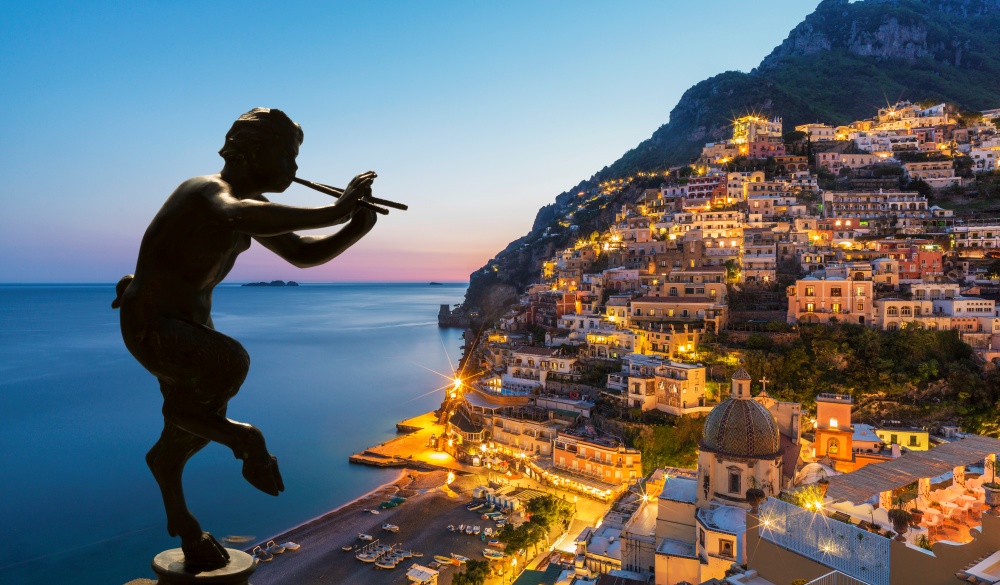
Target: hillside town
{"x": 770, "y": 232}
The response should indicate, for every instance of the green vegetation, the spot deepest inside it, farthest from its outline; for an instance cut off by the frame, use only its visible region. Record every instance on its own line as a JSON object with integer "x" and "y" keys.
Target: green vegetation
{"x": 673, "y": 444}
{"x": 548, "y": 513}
{"x": 931, "y": 373}
{"x": 476, "y": 573}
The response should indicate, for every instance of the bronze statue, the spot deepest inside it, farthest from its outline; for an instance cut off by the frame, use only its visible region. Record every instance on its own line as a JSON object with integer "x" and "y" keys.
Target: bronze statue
{"x": 166, "y": 322}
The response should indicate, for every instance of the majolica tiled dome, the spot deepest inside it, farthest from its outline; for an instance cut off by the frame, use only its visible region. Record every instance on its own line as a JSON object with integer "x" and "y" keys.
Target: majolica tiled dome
{"x": 741, "y": 427}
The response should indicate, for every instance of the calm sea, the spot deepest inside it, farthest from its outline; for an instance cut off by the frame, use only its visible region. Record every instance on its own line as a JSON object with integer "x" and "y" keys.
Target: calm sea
{"x": 334, "y": 367}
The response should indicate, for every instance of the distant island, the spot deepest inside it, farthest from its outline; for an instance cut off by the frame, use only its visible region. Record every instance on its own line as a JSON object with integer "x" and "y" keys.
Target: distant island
{"x": 436, "y": 283}
{"x": 273, "y": 283}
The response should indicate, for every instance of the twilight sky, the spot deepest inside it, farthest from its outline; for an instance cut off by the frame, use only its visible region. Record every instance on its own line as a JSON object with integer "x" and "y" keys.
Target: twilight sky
{"x": 473, "y": 113}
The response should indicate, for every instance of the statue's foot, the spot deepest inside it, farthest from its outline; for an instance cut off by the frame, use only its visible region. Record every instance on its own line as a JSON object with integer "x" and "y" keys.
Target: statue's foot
{"x": 204, "y": 554}
{"x": 261, "y": 470}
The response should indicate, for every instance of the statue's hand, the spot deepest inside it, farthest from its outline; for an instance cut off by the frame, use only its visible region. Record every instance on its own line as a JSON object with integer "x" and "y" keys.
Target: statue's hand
{"x": 363, "y": 220}
{"x": 359, "y": 187}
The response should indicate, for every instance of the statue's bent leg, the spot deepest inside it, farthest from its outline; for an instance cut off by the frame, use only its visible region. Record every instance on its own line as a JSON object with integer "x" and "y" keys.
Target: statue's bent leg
{"x": 260, "y": 468}
{"x": 166, "y": 460}
{"x": 212, "y": 369}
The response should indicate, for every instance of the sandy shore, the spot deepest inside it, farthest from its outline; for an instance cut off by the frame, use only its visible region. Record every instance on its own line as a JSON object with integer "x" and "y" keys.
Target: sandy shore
{"x": 423, "y": 519}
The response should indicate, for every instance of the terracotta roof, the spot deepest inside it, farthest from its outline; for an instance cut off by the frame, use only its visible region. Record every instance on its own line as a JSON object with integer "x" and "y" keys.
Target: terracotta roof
{"x": 875, "y": 478}
{"x": 674, "y": 300}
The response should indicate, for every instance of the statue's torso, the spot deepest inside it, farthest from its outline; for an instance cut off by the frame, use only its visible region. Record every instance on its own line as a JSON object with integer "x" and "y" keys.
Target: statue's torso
{"x": 187, "y": 249}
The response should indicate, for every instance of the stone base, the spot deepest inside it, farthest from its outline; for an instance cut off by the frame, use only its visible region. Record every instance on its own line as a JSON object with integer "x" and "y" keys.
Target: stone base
{"x": 169, "y": 567}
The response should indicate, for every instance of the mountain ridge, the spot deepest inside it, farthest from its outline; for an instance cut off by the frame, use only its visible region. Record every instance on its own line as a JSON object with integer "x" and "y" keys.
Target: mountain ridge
{"x": 841, "y": 63}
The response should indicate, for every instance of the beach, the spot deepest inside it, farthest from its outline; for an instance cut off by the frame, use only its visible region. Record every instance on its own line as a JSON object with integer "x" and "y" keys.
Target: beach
{"x": 423, "y": 519}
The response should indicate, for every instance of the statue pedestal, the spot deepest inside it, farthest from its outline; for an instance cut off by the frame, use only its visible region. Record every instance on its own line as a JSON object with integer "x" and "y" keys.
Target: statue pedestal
{"x": 169, "y": 568}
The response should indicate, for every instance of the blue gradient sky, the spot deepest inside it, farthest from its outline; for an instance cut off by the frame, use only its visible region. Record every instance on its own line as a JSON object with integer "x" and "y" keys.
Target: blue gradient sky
{"x": 474, "y": 113}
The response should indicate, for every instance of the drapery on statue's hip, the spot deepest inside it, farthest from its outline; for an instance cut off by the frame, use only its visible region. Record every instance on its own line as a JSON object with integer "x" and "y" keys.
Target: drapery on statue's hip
{"x": 120, "y": 290}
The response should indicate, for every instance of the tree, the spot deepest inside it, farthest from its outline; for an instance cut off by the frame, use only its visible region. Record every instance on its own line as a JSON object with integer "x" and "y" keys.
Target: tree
{"x": 920, "y": 186}
{"x": 993, "y": 270}
{"x": 476, "y": 573}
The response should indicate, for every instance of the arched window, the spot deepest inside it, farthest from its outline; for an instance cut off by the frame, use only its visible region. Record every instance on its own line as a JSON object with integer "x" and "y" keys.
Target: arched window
{"x": 892, "y": 312}
{"x": 833, "y": 446}
{"x": 906, "y": 312}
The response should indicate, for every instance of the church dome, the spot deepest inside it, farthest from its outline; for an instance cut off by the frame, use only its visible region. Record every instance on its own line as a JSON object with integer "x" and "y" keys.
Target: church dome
{"x": 741, "y": 427}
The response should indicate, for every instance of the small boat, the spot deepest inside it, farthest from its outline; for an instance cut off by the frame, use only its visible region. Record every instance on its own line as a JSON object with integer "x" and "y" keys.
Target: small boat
{"x": 468, "y": 529}
{"x": 291, "y": 545}
{"x": 237, "y": 539}
{"x": 347, "y": 547}
{"x": 390, "y": 527}
{"x": 477, "y": 529}
{"x": 367, "y": 557}
{"x": 460, "y": 558}
{"x": 501, "y": 523}
{"x": 495, "y": 543}
{"x": 405, "y": 554}
{"x": 416, "y": 554}
{"x": 451, "y": 528}
{"x": 363, "y": 536}
{"x": 274, "y": 548}
{"x": 493, "y": 554}
{"x": 376, "y": 512}
{"x": 385, "y": 565}
{"x": 474, "y": 507}
{"x": 445, "y": 560}
{"x": 461, "y": 527}
{"x": 487, "y": 531}
{"x": 261, "y": 554}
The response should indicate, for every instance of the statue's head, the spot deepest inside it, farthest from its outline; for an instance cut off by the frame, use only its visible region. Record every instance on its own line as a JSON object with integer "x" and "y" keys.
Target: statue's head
{"x": 266, "y": 142}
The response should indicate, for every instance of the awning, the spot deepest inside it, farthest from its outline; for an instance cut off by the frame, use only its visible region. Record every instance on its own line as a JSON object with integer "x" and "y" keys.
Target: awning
{"x": 876, "y": 478}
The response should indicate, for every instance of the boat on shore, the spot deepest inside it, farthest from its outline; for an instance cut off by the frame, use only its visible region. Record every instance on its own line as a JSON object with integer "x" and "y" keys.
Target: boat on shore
{"x": 365, "y": 537}
{"x": 291, "y": 545}
{"x": 262, "y": 555}
{"x": 446, "y": 560}
{"x": 460, "y": 558}
{"x": 390, "y": 527}
{"x": 493, "y": 554}
{"x": 274, "y": 548}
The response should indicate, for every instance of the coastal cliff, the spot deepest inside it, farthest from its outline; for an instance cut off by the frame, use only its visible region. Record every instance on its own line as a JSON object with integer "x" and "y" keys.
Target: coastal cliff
{"x": 843, "y": 60}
